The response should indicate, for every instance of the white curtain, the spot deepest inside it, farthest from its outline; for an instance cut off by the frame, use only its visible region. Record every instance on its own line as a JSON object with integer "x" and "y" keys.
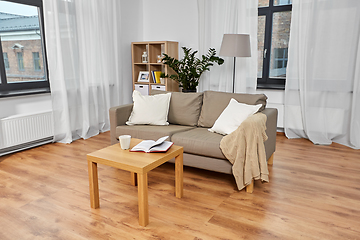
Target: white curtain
{"x": 217, "y": 17}
{"x": 322, "y": 94}
{"x": 82, "y": 40}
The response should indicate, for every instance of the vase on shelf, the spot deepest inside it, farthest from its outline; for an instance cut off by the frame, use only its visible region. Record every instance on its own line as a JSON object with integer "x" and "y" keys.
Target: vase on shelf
{"x": 144, "y": 57}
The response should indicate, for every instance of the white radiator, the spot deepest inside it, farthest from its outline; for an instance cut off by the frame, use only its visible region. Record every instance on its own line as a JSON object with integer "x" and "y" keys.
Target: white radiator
{"x": 26, "y": 129}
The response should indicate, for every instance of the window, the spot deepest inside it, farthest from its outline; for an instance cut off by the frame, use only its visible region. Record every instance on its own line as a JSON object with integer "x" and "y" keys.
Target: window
{"x": 281, "y": 2}
{"x": 22, "y": 44}
{"x": 20, "y": 61}
{"x": 273, "y": 39}
{"x": 6, "y": 61}
{"x": 36, "y": 60}
{"x": 280, "y": 62}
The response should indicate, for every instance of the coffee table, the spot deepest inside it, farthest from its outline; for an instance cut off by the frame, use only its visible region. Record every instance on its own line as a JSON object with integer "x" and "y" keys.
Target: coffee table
{"x": 139, "y": 164}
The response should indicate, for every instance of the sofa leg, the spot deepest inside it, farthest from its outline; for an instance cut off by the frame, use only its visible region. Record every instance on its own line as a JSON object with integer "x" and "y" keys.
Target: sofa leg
{"x": 271, "y": 160}
{"x": 250, "y": 187}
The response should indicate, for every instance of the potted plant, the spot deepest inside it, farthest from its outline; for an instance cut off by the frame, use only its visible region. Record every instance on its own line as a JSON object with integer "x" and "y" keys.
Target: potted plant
{"x": 189, "y": 69}
{"x": 162, "y": 77}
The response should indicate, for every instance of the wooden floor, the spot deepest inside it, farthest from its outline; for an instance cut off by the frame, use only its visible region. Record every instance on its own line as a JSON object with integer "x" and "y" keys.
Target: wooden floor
{"x": 313, "y": 193}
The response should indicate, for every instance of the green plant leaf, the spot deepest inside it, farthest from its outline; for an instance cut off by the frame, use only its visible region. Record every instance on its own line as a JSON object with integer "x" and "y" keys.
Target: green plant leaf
{"x": 189, "y": 69}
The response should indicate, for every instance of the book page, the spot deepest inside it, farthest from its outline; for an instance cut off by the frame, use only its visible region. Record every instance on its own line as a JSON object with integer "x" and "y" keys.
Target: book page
{"x": 146, "y": 145}
{"x": 143, "y": 146}
{"x": 159, "y": 141}
{"x": 163, "y": 147}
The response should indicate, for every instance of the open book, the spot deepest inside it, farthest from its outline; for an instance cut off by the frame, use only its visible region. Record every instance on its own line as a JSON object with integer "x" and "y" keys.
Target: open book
{"x": 153, "y": 146}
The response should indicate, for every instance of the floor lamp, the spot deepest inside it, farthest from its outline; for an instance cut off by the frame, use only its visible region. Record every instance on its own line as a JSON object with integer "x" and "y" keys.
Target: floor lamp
{"x": 235, "y": 45}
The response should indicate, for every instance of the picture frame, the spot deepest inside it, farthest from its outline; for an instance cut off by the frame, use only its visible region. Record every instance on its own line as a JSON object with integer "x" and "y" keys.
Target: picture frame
{"x": 143, "y": 76}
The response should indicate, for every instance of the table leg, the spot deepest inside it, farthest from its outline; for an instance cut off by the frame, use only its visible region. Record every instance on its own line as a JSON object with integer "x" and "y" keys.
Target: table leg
{"x": 143, "y": 199}
{"x": 93, "y": 185}
{"x": 133, "y": 179}
{"x": 179, "y": 176}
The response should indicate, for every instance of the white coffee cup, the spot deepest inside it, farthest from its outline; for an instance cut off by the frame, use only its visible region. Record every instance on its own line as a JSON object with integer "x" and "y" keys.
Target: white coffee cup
{"x": 125, "y": 141}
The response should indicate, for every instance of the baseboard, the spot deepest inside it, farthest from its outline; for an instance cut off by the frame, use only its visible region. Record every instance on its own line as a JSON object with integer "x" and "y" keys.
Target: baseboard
{"x": 25, "y": 146}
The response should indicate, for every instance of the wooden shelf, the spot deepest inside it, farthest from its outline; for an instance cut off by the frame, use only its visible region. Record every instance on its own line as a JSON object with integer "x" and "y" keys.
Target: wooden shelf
{"x": 153, "y": 49}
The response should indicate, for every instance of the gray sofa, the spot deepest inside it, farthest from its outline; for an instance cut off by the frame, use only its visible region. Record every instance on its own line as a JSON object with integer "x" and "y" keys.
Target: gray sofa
{"x": 190, "y": 116}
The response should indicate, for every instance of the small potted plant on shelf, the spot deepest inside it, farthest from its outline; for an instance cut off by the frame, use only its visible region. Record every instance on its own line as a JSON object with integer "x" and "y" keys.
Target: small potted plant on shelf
{"x": 162, "y": 77}
{"x": 189, "y": 69}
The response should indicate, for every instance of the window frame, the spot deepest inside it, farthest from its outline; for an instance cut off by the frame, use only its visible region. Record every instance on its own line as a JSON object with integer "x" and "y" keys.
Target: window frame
{"x": 267, "y": 82}
{"x": 26, "y": 88}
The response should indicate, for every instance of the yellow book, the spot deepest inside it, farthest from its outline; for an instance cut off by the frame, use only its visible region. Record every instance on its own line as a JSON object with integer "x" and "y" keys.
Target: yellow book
{"x": 157, "y": 76}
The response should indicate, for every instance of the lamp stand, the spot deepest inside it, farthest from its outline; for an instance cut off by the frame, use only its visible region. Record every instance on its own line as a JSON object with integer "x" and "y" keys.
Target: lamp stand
{"x": 234, "y": 76}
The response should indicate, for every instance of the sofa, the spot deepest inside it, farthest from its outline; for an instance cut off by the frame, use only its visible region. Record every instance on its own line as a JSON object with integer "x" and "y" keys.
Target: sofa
{"x": 190, "y": 116}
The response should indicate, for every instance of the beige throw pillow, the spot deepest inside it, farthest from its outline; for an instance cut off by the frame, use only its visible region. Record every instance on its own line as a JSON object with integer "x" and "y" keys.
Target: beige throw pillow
{"x": 184, "y": 107}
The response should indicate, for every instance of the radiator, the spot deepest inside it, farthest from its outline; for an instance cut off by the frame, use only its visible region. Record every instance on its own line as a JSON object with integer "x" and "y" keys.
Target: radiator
{"x": 26, "y": 129}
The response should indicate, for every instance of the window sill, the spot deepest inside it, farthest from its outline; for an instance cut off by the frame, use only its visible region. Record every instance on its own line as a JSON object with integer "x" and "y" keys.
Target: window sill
{"x": 271, "y": 86}
{"x": 16, "y": 93}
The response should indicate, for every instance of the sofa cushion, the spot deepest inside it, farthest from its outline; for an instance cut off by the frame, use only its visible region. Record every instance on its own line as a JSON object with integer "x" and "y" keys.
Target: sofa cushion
{"x": 199, "y": 141}
{"x": 149, "y": 132}
{"x": 184, "y": 107}
{"x": 214, "y": 104}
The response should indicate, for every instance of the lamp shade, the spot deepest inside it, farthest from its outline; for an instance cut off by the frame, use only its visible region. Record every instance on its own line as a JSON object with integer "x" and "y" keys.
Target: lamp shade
{"x": 235, "y": 45}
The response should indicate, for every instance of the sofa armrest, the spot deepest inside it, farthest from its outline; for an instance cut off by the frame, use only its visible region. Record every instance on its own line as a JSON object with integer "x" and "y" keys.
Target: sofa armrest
{"x": 118, "y": 116}
{"x": 271, "y": 129}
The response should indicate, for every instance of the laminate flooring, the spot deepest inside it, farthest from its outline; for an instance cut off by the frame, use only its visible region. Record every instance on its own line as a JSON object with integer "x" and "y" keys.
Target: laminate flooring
{"x": 313, "y": 193}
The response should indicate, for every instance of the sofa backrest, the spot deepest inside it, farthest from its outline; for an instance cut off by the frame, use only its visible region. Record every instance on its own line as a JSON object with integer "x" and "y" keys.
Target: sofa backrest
{"x": 184, "y": 108}
{"x": 214, "y": 104}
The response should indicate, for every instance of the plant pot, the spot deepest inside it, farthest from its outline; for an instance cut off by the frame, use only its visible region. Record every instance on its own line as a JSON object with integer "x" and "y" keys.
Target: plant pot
{"x": 188, "y": 90}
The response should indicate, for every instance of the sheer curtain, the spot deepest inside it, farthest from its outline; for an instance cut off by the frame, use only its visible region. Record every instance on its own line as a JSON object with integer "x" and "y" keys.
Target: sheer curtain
{"x": 322, "y": 94}
{"x": 82, "y": 40}
{"x": 217, "y": 17}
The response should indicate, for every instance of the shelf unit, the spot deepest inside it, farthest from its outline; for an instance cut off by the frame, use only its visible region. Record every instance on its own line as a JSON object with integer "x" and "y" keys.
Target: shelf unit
{"x": 153, "y": 49}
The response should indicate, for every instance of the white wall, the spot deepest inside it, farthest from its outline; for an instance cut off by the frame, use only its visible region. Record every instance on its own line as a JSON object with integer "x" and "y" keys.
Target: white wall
{"x": 25, "y": 104}
{"x": 178, "y": 21}
{"x": 171, "y": 20}
{"x": 131, "y": 31}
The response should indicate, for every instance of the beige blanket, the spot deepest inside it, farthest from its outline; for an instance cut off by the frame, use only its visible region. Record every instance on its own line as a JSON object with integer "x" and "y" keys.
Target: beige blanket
{"x": 245, "y": 149}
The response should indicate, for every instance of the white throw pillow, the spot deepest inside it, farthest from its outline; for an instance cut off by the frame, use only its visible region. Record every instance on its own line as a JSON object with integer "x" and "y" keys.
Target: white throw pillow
{"x": 151, "y": 110}
{"x": 232, "y": 116}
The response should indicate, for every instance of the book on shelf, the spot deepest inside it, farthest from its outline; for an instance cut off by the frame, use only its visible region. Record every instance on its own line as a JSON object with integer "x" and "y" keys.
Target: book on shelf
{"x": 157, "y": 76}
{"x": 153, "y": 76}
{"x": 153, "y": 146}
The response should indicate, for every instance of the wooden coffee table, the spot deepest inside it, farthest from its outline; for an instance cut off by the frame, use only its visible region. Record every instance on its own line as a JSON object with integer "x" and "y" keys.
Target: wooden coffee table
{"x": 139, "y": 164}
